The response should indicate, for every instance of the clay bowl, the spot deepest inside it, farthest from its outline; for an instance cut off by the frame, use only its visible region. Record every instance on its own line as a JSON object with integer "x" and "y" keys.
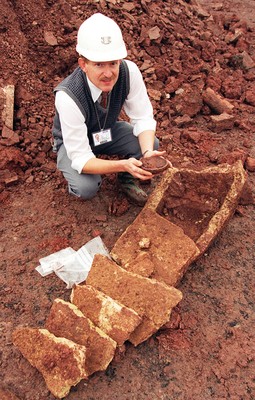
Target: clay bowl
{"x": 155, "y": 164}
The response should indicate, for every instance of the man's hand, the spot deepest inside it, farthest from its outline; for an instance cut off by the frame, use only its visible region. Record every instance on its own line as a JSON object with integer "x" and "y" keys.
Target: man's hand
{"x": 151, "y": 153}
{"x": 132, "y": 165}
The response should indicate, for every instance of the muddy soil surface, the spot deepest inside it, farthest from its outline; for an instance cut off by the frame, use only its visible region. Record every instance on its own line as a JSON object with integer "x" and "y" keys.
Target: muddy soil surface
{"x": 182, "y": 47}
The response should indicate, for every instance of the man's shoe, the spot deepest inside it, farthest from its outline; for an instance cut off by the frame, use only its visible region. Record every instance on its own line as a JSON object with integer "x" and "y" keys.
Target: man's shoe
{"x": 127, "y": 184}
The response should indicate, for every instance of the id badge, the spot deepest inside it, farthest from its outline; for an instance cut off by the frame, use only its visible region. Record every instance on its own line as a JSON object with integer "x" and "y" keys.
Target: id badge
{"x": 101, "y": 137}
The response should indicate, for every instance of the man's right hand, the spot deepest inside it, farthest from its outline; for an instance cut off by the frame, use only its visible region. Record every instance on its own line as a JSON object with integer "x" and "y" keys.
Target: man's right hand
{"x": 132, "y": 165}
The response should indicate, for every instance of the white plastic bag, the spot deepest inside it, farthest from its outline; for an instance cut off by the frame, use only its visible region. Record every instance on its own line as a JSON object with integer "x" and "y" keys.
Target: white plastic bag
{"x": 73, "y": 270}
{"x": 48, "y": 263}
{"x": 72, "y": 266}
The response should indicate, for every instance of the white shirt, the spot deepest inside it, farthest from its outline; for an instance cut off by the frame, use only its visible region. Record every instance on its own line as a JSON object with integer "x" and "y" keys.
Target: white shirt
{"x": 74, "y": 130}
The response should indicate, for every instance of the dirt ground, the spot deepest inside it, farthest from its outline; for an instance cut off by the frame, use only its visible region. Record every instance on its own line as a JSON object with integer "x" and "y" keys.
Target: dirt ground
{"x": 181, "y": 48}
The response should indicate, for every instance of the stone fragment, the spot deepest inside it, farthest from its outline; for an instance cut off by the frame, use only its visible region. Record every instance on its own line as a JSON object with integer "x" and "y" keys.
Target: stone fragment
{"x": 216, "y": 102}
{"x": 144, "y": 243}
{"x": 10, "y": 156}
{"x": 66, "y": 320}
{"x": 151, "y": 299}
{"x": 188, "y": 100}
{"x": 154, "y": 33}
{"x": 201, "y": 12}
{"x": 222, "y": 122}
{"x": 233, "y": 37}
{"x": 193, "y": 136}
{"x": 183, "y": 120}
{"x": 9, "y": 137}
{"x": 154, "y": 94}
{"x": 30, "y": 179}
{"x": 242, "y": 60}
{"x": 128, "y": 6}
{"x": 50, "y": 38}
{"x": 248, "y": 62}
{"x": 112, "y": 317}
{"x": 7, "y": 177}
{"x": 250, "y": 164}
{"x": 60, "y": 361}
{"x": 49, "y": 167}
{"x": 171, "y": 251}
{"x": 12, "y": 179}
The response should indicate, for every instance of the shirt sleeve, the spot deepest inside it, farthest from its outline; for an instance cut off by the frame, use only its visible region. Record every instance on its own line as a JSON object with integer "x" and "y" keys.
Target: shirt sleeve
{"x": 137, "y": 105}
{"x": 74, "y": 131}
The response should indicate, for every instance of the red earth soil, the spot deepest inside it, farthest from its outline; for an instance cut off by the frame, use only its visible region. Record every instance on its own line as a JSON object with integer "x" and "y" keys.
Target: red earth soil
{"x": 182, "y": 48}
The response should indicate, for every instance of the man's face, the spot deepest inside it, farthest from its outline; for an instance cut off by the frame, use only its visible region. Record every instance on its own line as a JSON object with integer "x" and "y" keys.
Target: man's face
{"x": 103, "y": 75}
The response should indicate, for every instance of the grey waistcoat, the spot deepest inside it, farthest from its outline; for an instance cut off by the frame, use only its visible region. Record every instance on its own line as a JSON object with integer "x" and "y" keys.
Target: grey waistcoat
{"x": 76, "y": 86}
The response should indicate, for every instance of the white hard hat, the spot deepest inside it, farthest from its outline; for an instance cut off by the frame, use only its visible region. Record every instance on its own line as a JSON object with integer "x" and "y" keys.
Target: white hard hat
{"x": 100, "y": 39}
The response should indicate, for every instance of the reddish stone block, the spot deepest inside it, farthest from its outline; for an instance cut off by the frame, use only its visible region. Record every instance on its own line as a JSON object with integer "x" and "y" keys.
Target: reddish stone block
{"x": 60, "y": 361}
{"x": 66, "y": 320}
{"x": 112, "y": 317}
{"x": 151, "y": 299}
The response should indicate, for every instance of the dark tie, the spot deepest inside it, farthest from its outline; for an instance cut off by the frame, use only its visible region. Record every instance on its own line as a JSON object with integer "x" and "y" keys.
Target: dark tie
{"x": 104, "y": 98}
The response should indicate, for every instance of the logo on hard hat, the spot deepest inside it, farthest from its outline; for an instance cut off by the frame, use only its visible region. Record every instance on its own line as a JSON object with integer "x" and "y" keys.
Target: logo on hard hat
{"x": 106, "y": 39}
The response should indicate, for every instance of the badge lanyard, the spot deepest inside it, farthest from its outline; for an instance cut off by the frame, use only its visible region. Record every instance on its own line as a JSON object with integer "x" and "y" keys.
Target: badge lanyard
{"x": 103, "y": 135}
{"x": 107, "y": 112}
